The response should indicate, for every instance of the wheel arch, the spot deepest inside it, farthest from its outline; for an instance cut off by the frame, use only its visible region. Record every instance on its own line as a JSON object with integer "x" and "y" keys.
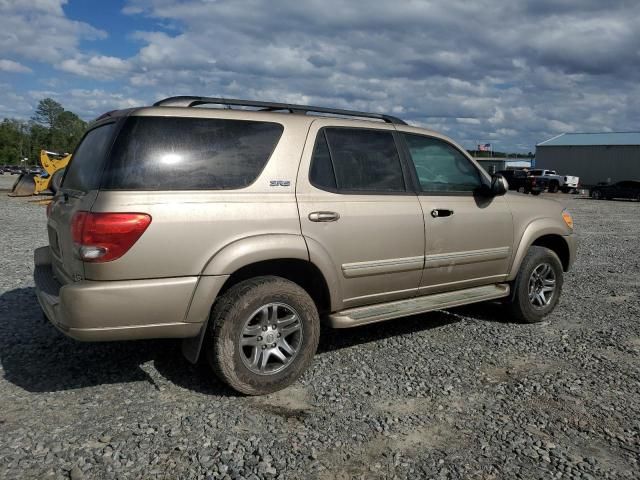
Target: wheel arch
{"x": 301, "y": 272}
{"x": 284, "y": 256}
{"x": 558, "y": 245}
{"x": 544, "y": 233}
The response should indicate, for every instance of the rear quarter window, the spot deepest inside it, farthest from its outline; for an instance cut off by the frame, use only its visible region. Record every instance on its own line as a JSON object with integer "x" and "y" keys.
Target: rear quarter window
{"x": 175, "y": 153}
{"x": 84, "y": 171}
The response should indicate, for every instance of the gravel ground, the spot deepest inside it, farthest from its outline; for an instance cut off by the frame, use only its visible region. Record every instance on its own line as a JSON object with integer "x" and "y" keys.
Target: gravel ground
{"x": 459, "y": 394}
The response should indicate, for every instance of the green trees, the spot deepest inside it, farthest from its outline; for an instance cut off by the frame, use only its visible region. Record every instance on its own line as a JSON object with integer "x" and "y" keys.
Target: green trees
{"x": 51, "y": 128}
{"x": 47, "y": 112}
{"x": 12, "y": 141}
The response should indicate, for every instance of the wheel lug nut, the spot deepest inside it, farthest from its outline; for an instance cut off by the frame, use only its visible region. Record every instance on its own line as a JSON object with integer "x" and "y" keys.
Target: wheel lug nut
{"x": 263, "y": 347}
{"x": 264, "y": 329}
{"x": 273, "y": 345}
{"x": 274, "y": 326}
{"x": 279, "y": 335}
{"x": 259, "y": 339}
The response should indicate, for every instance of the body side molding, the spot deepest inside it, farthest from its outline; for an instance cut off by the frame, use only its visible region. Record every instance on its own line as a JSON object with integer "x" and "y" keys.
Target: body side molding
{"x": 392, "y": 265}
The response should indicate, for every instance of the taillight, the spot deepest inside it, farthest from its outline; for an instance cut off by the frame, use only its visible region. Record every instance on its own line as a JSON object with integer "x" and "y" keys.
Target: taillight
{"x": 103, "y": 237}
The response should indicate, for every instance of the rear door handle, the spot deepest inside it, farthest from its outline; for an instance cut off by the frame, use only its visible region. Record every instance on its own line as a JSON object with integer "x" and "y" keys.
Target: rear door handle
{"x": 324, "y": 216}
{"x": 441, "y": 212}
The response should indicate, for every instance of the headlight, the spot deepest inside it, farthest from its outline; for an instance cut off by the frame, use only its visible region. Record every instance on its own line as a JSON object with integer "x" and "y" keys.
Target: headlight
{"x": 568, "y": 219}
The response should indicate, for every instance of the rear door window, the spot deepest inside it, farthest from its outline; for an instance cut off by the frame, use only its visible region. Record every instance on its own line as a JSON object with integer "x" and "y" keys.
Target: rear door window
{"x": 176, "y": 153}
{"x": 85, "y": 169}
{"x": 322, "y": 174}
{"x": 357, "y": 160}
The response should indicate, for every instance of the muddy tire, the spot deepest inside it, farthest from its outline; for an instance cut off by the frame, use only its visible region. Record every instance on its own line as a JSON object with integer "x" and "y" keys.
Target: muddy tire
{"x": 537, "y": 287}
{"x": 262, "y": 335}
{"x": 553, "y": 187}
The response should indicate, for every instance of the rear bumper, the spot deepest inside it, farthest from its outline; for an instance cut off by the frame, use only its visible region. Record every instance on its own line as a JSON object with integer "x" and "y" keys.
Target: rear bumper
{"x": 122, "y": 310}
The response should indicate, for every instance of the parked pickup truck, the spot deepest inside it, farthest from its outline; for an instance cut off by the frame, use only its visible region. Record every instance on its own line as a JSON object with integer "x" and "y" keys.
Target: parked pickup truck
{"x": 521, "y": 181}
{"x": 564, "y": 183}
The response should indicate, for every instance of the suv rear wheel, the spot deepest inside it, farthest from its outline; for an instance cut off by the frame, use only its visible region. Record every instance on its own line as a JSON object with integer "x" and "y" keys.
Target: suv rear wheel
{"x": 536, "y": 289}
{"x": 262, "y": 335}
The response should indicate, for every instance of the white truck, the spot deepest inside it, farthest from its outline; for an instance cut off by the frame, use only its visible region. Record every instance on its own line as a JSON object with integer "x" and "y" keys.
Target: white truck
{"x": 564, "y": 183}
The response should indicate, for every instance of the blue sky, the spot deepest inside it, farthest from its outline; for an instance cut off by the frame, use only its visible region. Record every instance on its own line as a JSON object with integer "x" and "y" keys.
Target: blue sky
{"x": 498, "y": 71}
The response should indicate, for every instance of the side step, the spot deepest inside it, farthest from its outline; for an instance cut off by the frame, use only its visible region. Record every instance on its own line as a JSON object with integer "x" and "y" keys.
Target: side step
{"x": 412, "y": 306}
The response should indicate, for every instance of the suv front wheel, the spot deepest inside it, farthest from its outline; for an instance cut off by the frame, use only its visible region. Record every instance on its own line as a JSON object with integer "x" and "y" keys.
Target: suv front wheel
{"x": 262, "y": 335}
{"x": 536, "y": 289}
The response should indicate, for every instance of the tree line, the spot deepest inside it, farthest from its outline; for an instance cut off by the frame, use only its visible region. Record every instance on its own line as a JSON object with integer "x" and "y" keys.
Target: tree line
{"x": 51, "y": 128}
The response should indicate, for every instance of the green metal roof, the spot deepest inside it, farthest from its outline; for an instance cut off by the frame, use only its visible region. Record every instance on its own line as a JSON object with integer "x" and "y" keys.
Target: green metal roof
{"x": 586, "y": 139}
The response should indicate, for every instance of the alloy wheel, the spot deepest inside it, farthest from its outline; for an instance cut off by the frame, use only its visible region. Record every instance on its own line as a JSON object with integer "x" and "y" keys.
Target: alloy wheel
{"x": 542, "y": 285}
{"x": 271, "y": 338}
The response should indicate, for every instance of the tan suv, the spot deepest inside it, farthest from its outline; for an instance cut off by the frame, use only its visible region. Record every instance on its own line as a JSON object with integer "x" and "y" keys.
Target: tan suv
{"x": 242, "y": 230}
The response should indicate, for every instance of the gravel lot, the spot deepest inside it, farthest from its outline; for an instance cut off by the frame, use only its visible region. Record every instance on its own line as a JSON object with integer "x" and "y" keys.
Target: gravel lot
{"x": 459, "y": 394}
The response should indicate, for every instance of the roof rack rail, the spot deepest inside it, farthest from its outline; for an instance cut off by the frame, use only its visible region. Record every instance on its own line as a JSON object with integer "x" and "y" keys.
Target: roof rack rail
{"x": 188, "y": 101}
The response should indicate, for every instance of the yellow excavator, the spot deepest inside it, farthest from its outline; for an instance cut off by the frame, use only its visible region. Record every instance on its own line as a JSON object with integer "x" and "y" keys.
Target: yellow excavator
{"x": 30, "y": 184}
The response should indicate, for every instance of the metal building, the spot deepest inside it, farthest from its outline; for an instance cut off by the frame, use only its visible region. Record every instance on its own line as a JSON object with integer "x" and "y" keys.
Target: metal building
{"x": 594, "y": 157}
{"x": 494, "y": 164}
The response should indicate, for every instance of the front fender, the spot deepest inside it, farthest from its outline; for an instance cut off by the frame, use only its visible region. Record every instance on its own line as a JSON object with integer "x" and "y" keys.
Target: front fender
{"x": 533, "y": 231}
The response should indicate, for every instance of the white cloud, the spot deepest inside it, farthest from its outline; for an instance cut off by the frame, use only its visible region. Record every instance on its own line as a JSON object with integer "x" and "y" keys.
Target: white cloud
{"x": 88, "y": 103}
{"x": 39, "y": 30}
{"x": 542, "y": 71}
{"x": 517, "y": 72}
{"x": 13, "y": 67}
{"x": 99, "y": 67}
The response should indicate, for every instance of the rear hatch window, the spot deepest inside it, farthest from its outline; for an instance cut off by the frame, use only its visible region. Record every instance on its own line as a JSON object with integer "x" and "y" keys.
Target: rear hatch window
{"x": 176, "y": 153}
{"x": 84, "y": 171}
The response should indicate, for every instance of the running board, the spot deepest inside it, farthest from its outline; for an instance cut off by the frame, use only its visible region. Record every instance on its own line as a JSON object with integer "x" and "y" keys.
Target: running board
{"x": 412, "y": 306}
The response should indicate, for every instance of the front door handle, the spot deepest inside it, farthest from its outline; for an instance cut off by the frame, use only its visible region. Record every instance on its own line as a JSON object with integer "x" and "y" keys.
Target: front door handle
{"x": 441, "y": 212}
{"x": 324, "y": 216}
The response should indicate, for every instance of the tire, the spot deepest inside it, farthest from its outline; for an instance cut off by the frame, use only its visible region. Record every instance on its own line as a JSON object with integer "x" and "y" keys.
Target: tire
{"x": 596, "y": 194}
{"x": 56, "y": 180}
{"x": 521, "y": 305}
{"x": 553, "y": 187}
{"x": 565, "y": 189}
{"x": 239, "y": 311}
{"x": 535, "y": 192}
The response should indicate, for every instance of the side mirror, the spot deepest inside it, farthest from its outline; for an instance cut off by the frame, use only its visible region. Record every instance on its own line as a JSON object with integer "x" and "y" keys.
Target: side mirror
{"x": 499, "y": 185}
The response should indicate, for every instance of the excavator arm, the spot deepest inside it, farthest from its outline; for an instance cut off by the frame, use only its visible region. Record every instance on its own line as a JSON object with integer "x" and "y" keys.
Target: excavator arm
{"x": 53, "y": 165}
